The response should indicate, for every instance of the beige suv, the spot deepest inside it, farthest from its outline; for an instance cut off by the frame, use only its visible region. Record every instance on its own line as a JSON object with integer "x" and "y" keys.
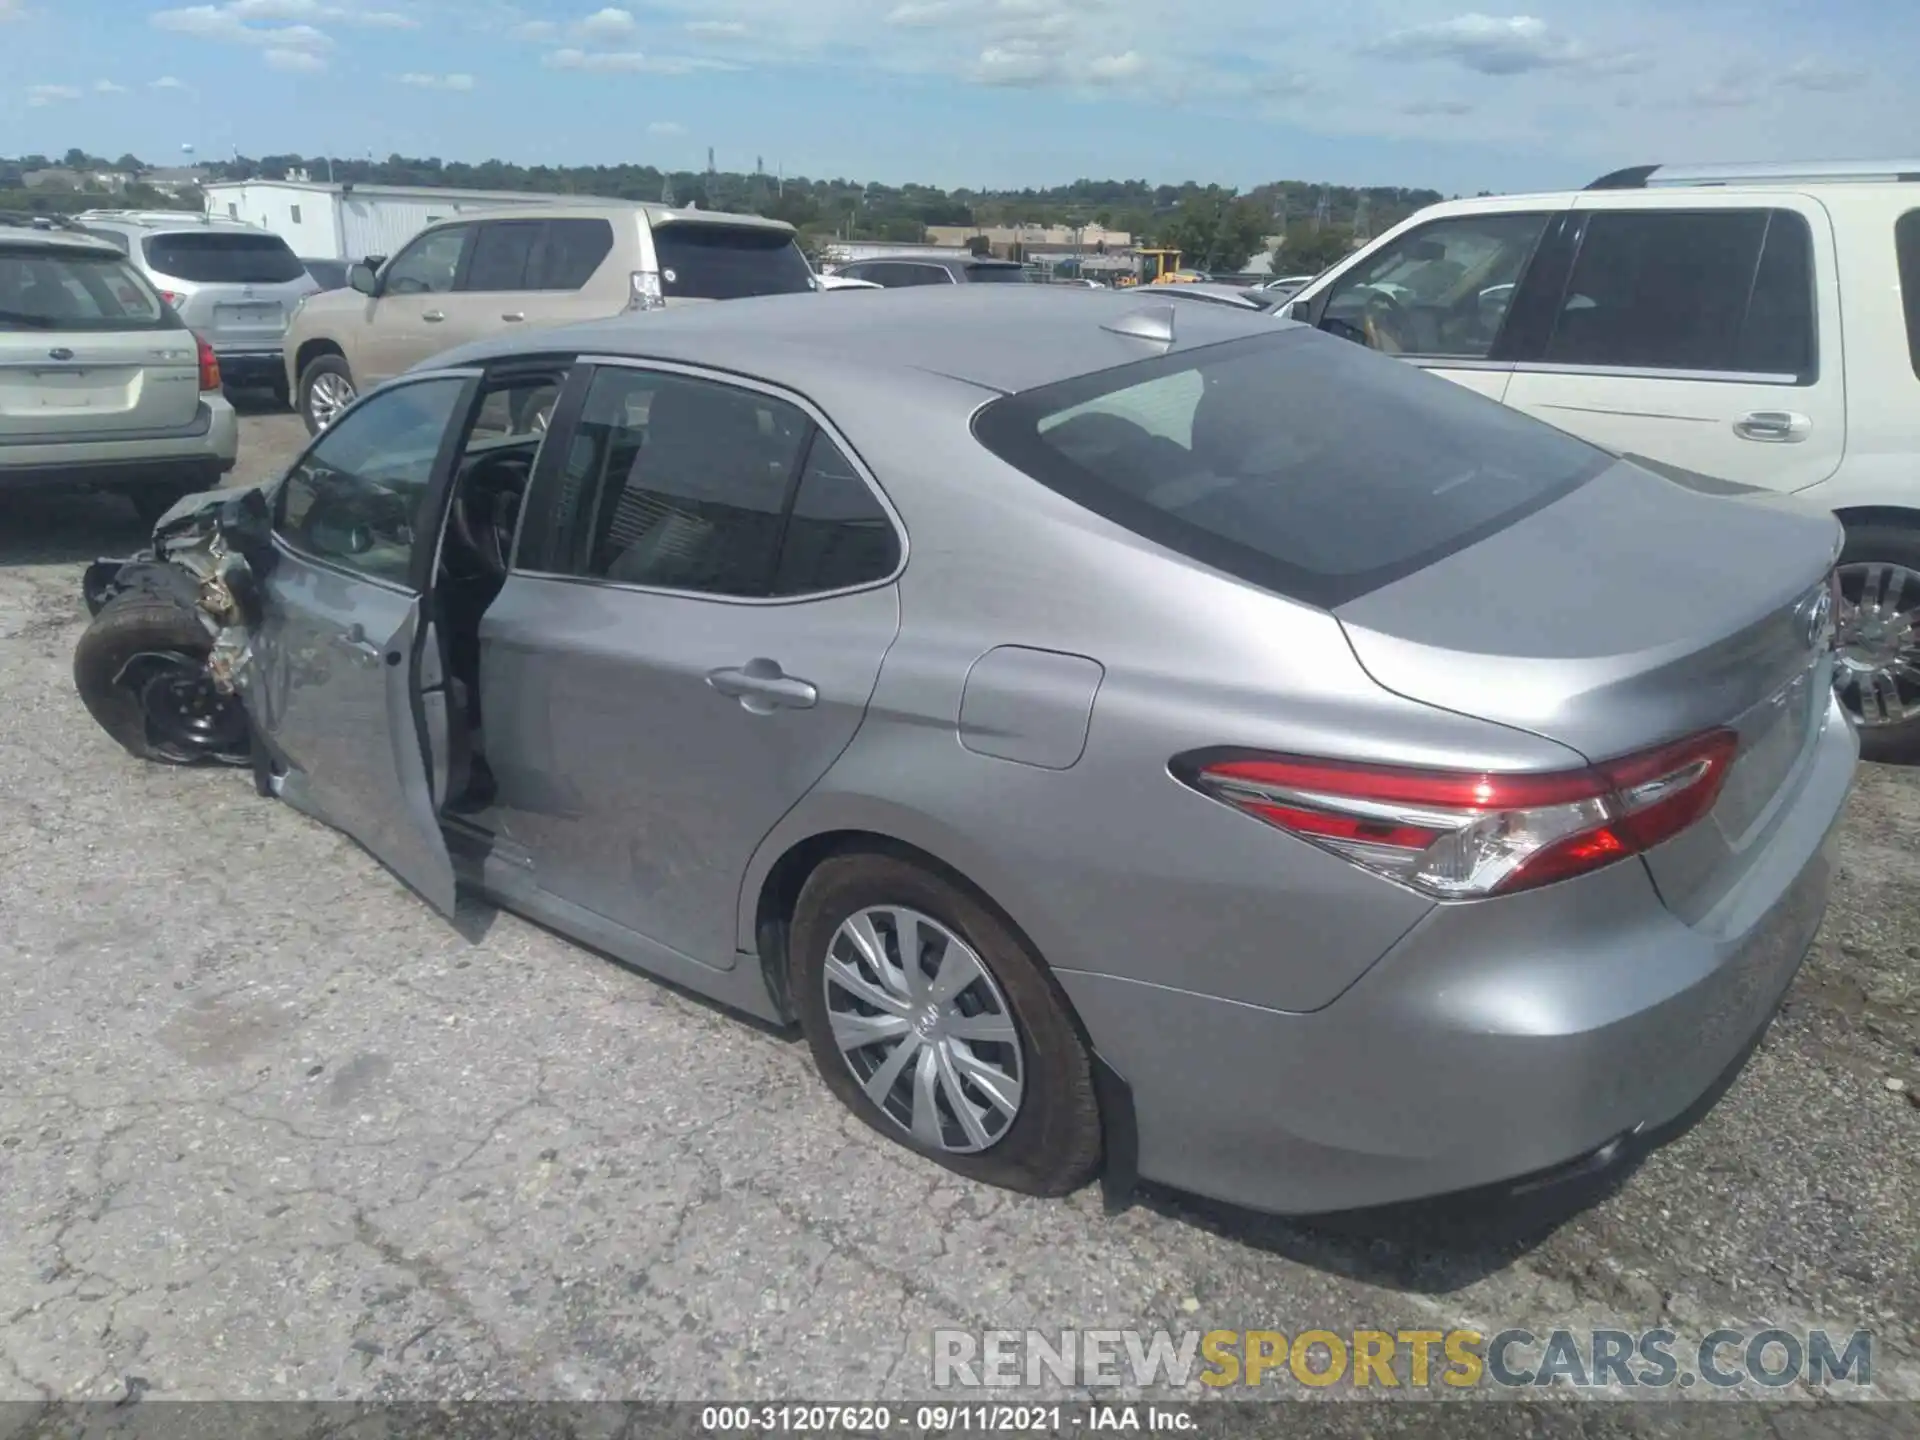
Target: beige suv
{"x": 484, "y": 272}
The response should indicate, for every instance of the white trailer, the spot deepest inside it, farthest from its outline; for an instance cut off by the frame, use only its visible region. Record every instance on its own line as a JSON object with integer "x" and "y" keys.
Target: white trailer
{"x": 350, "y": 222}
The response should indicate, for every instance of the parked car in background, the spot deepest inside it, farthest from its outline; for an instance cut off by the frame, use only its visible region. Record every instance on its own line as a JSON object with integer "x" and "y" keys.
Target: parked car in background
{"x": 1071, "y": 716}
{"x": 102, "y": 385}
{"x": 234, "y": 285}
{"x": 1758, "y": 325}
{"x": 1217, "y": 295}
{"x": 842, "y": 282}
{"x": 905, "y": 271}
{"x": 328, "y": 274}
{"x": 1283, "y": 286}
{"x": 484, "y": 272}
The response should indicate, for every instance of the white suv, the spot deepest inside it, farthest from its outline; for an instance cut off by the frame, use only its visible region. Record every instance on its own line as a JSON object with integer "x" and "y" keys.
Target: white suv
{"x": 1739, "y": 327}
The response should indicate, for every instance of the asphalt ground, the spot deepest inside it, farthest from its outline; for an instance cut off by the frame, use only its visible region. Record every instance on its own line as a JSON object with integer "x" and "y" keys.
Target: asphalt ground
{"x": 269, "y": 1128}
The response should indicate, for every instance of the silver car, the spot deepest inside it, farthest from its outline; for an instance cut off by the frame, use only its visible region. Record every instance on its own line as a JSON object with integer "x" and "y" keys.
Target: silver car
{"x": 1126, "y": 737}
{"x": 101, "y": 385}
{"x": 236, "y": 285}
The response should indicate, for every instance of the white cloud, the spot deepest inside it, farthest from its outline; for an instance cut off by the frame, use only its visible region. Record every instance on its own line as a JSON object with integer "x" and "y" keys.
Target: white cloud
{"x": 421, "y": 81}
{"x": 631, "y": 62}
{"x": 1489, "y": 44}
{"x": 219, "y": 22}
{"x": 298, "y": 61}
{"x": 12, "y": 10}
{"x": 1116, "y": 69}
{"x": 51, "y": 94}
{"x": 108, "y": 87}
{"x": 666, "y": 129}
{"x": 608, "y": 25}
{"x": 716, "y": 29}
{"x": 535, "y": 30}
{"x": 1016, "y": 65}
{"x": 168, "y": 82}
{"x": 1822, "y": 76}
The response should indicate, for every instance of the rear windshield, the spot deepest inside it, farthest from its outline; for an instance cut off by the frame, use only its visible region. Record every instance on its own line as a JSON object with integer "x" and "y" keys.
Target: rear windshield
{"x": 223, "y": 259}
{"x": 725, "y": 262}
{"x": 996, "y": 275}
{"x": 43, "y": 289}
{"x": 1299, "y": 463}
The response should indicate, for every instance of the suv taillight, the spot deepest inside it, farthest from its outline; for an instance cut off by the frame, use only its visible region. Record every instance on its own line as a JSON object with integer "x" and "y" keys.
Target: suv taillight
{"x": 644, "y": 292}
{"x": 209, "y": 365}
{"x": 172, "y": 297}
{"x": 1459, "y": 836}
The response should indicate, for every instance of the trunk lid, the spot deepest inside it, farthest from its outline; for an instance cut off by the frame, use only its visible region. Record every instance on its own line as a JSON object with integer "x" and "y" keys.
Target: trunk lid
{"x": 87, "y": 350}
{"x": 1630, "y": 612}
{"x": 237, "y": 289}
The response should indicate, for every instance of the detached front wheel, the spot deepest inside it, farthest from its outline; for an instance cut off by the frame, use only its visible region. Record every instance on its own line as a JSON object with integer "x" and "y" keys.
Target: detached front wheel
{"x": 141, "y": 670}
{"x": 1876, "y": 642}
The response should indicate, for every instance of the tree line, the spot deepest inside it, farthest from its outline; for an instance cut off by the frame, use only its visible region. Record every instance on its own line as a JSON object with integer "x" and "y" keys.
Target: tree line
{"x": 1216, "y": 228}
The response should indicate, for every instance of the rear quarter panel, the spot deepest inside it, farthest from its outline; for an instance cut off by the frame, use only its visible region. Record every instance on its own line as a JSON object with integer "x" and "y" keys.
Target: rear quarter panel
{"x": 1111, "y": 866}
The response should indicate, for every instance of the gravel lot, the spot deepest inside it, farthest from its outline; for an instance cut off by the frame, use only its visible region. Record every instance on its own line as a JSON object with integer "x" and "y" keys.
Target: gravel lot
{"x": 269, "y": 1128}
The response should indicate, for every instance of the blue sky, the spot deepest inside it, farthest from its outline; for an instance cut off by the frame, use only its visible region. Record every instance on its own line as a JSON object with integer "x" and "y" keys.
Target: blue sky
{"x": 979, "y": 92}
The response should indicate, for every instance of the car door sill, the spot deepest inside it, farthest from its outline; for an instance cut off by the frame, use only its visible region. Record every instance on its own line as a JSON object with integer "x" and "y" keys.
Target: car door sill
{"x": 504, "y": 872}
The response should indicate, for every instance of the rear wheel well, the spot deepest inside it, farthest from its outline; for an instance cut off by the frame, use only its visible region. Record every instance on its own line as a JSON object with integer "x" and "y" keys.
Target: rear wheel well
{"x": 311, "y": 351}
{"x": 1880, "y": 515}
{"x": 780, "y": 893}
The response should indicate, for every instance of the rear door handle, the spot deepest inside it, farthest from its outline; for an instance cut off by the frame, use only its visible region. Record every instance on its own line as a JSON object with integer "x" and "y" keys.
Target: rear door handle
{"x": 513, "y": 315}
{"x": 1776, "y": 427}
{"x": 434, "y": 317}
{"x": 762, "y": 687}
{"x": 355, "y": 639}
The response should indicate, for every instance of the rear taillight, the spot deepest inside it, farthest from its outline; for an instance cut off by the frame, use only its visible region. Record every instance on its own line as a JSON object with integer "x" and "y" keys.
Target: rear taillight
{"x": 209, "y": 365}
{"x": 172, "y": 297}
{"x": 1459, "y": 835}
{"x": 644, "y": 292}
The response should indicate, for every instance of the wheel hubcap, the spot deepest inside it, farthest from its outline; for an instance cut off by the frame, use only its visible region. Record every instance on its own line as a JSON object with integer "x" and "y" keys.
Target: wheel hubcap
{"x": 1876, "y": 649}
{"x": 924, "y": 1028}
{"x": 327, "y": 397}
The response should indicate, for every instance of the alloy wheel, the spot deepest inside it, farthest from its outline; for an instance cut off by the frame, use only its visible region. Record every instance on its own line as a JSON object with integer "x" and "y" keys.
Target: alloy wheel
{"x": 1876, "y": 647}
{"x": 925, "y": 1028}
{"x": 327, "y": 397}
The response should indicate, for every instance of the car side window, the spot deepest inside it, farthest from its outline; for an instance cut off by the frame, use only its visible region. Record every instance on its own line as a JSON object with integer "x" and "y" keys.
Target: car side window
{"x": 354, "y": 498}
{"x": 838, "y": 534}
{"x": 502, "y": 250}
{"x": 568, "y": 253}
{"x": 677, "y": 483}
{"x": 429, "y": 264}
{"x": 1441, "y": 291}
{"x": 894, "y": 277}
{"x": 852, "y": 272}
{"x": 1906, "y": 244}
{"x": 1726, "y": 291}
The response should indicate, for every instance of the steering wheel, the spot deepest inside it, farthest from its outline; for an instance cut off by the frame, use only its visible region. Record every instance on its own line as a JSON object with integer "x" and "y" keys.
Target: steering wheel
{"x": 493, "y": 483}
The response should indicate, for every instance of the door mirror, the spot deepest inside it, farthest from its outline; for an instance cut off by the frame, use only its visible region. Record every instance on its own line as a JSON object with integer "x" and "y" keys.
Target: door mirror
{"x": 1301, "y": 310}
{"x": 363, "y": 278}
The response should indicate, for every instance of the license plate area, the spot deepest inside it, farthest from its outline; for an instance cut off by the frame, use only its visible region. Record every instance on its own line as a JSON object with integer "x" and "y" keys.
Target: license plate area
{"x": 255, "y": 316}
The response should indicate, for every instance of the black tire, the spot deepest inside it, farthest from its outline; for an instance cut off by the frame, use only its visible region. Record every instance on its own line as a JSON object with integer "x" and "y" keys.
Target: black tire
{"x": 1895, "y": 744}
{"x": 112, "y": 662}
{"x": 153, "y": 501}
{"x": 1052, "y": 1146}
{"x": 316, "y": 367}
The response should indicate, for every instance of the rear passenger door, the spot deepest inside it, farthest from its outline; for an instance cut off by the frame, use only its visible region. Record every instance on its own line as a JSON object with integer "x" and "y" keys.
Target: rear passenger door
{"x": 531, "y": 273}
{"x": 1698, "y": 331}
{"x": 700, "y": 602}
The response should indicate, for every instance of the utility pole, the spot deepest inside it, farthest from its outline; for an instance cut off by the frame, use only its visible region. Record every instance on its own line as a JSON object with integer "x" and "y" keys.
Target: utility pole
{"x": 1361, "y": 232}
{"x": 1322, "y": 208}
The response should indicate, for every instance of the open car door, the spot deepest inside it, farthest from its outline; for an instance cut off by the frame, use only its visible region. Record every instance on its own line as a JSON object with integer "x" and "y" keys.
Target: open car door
{"x": 345, "y": 662}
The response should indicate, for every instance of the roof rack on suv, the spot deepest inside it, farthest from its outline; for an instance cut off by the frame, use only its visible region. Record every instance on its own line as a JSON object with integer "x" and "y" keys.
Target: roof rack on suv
{"x": 1802, "y": 172}
{"x": 33, "y": 220}
{"x": 148, "y": 218}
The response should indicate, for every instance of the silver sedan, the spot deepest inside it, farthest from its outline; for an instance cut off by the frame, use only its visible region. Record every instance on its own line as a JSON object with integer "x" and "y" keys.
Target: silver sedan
{"x": 1128, "y": 737}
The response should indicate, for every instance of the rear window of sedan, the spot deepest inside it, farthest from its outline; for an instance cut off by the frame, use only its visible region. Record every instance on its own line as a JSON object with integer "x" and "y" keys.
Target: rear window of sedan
{"x": 1302, "y": 464}
{"x": 42, "y": 288}
{"x": 216, "y": 258}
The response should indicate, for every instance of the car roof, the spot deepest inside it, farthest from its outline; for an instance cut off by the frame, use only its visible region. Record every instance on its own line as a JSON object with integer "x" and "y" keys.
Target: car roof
{"x": 589, "y": 209}
{"x": 68, "y": 240}
{"x": 153, "y": 224}
{"x": 1000, "y": 338}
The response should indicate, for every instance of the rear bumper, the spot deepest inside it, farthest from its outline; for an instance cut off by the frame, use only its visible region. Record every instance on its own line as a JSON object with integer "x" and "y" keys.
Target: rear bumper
{"x": 252, "y": 366}
{"x": 195, "y": 457}
{"x": 1496, "y": 1042}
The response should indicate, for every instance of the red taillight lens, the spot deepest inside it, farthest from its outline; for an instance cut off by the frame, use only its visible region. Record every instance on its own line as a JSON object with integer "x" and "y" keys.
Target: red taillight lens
{"x": 172, "y": 297}
{"x": 1458, "y": 835}
{"x": 209, "y": 365}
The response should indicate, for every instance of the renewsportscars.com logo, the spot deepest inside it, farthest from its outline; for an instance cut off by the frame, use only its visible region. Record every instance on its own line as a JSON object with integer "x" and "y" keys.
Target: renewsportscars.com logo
{"x": 1760, "y": 1361}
